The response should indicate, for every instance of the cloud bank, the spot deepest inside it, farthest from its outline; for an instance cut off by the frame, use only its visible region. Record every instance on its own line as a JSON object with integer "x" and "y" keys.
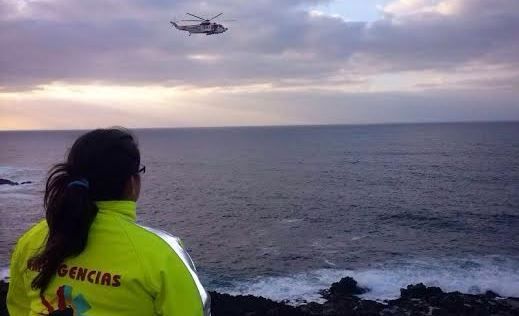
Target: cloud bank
{"x": 277, "y": 53}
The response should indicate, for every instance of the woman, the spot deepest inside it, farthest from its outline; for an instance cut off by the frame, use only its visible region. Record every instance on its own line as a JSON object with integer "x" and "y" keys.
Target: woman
{"x": 89, "y": 257}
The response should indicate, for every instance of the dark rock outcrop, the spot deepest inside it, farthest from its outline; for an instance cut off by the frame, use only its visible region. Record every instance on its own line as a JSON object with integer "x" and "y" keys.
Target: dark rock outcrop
{"x": 341, "y": 298}
{"x": 3, "y": 297}
{"x": 345, "y": 287}
{"x": 422, "y": 300}
{"x": 248, "y": 305}
{"x": 9, "y": 182}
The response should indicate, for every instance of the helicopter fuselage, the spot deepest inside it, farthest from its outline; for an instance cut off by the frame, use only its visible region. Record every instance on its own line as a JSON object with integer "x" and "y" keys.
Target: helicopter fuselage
{"x": 202, "y": 28}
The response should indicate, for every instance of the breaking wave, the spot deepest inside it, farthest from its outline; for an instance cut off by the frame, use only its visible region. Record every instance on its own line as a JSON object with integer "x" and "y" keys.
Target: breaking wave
{"x": 473, "y": 276}
{"x": 4, "y": 274}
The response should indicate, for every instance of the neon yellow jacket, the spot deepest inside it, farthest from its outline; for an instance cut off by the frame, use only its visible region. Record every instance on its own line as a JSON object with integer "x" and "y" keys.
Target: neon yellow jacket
{"x": 125, "y": 269}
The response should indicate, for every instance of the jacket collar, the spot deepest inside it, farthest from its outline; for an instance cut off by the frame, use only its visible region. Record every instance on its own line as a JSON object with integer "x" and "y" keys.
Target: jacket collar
{"x": 126, "y": 209}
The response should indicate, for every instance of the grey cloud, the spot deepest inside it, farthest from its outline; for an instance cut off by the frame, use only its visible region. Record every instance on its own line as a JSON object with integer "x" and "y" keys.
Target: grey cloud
{"x": 367, "y": 108}
{"x": 130, "y": 42}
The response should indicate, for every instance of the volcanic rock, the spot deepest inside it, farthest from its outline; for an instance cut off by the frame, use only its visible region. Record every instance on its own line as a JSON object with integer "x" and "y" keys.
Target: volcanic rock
{"x": 248, "y": 305}
{"x": 8, "y": 182}
{"x": 3, "y": 296}
{"x": 345, "y": 287}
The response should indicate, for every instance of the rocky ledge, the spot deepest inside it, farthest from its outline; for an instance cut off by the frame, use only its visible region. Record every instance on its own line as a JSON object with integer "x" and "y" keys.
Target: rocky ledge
{"x": 3, "y": 296}
{"x": 9, "y": 182}
{"x": 341, "y": 299}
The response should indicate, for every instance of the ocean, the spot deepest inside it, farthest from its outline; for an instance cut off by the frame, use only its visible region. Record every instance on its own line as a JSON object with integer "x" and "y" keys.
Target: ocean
{"x": 283, "y": 212}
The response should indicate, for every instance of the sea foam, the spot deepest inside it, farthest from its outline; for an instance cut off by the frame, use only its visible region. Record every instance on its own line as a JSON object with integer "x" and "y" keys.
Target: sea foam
{"x": 384, "y": 281}
{"x": 4, "y": 274}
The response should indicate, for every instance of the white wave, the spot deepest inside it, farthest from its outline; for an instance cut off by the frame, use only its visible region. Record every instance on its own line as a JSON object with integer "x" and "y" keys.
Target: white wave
{"x": 20, "y": 173}
{"x": 302, "y": 286}
{"x": 4, "y": 274}
{"x": 474, "y": 276}
{"x": 330, "y": 263}
{"x": 291, "y": 220}
{"x": 498, "y": 274}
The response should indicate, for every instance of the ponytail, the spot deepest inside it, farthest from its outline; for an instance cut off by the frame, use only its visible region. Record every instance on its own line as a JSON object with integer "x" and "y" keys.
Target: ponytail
{"x": 69, "y": 212}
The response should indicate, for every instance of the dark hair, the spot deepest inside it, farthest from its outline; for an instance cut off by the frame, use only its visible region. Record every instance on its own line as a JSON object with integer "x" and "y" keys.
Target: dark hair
{"x": 102, "y": 161}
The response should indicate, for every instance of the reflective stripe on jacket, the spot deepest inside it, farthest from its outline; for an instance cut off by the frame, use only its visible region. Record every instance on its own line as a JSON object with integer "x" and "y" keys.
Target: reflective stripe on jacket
{"x": 125, "y": 269}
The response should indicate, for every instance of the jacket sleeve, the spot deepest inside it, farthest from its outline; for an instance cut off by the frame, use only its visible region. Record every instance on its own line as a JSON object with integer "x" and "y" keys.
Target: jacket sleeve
{"x": 18, "y": 302}
{"x": 178, "y": 293}
{"x": 172, "y": 278}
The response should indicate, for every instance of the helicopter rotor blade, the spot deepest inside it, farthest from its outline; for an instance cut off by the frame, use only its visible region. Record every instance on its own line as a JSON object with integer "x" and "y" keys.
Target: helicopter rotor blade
{"x": 214, "y": 17}
{"x": 190, "y": 20}
{"x": 196, "y": 16}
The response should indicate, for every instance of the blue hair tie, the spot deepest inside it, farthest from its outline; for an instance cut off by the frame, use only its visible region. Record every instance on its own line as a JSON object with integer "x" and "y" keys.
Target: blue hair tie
{"x": 81, "y": 182}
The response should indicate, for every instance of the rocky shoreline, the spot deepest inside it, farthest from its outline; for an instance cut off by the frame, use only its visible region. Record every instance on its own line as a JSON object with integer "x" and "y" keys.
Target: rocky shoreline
{"x": 341, "y": 299}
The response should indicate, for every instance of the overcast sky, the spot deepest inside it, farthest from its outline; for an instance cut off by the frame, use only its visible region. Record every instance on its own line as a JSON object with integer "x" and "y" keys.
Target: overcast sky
{"x": 97, "y": 63}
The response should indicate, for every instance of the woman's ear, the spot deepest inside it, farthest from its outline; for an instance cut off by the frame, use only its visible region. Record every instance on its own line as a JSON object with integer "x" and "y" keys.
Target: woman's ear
{"x": 132, "y": 188}
{"x": 136, "y": 187}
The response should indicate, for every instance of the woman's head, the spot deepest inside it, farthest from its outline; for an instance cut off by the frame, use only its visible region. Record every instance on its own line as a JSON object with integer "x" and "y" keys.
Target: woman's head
{"x": 101, "y": 165}
{"x": 109, "y": 160}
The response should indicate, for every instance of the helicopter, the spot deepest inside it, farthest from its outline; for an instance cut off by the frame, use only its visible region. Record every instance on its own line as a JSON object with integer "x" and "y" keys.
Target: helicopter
{"x": 205, "y": 27}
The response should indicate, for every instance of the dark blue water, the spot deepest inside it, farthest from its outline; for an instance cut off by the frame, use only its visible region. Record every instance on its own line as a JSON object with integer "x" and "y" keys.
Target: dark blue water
{"x": 284, "y": 211}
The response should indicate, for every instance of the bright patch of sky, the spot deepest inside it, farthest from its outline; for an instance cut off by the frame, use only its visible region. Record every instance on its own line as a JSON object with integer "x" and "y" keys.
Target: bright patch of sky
{"x": 353, "y": 10}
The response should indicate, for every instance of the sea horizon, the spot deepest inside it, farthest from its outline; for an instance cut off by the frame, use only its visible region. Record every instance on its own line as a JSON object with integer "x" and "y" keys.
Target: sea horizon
{"x": 271, "y": 126}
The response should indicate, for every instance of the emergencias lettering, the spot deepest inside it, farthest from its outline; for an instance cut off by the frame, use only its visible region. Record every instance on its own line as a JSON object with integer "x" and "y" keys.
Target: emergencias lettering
{"x": 84, "y": 274}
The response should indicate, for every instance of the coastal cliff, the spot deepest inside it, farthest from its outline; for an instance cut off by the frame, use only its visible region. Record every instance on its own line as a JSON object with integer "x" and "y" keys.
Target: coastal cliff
{"x": 341, "y": 299}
